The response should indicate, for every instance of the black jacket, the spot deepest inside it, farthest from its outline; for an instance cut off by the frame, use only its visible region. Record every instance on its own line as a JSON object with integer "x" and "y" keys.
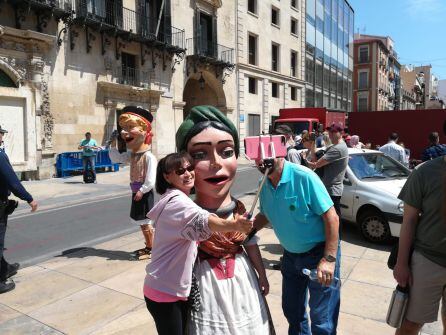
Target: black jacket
{"x": 9, "y": 181}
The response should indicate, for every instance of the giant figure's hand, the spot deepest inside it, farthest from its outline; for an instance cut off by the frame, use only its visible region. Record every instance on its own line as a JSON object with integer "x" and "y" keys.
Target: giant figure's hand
{"x": 138, "y": 196}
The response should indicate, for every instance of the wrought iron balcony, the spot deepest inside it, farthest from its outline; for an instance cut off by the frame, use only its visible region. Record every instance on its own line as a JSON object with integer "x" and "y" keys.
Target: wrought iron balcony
{"x": 109, "y": 15}
{"x": 65, "y": 5}
{"x": 363, "y": 59}
{"x": 43, "y": 10}
{"x": 133, "y": 77}
{"x": 57, "y": 5}
{"x": 210, "y": 51}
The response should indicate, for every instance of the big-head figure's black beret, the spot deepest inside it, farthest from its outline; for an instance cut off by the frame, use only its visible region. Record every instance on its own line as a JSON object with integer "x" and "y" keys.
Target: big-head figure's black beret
{"x": 145, "y": 114}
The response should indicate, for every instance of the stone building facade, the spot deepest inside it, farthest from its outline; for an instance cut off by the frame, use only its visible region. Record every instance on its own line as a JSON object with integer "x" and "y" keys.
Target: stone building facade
{"x": 70, "y": 66}
{"x": 270, "y": 72}
{"x": 207, "y": 74}
{"x": 411, "y": 89}
{"x": 376, "y": 74}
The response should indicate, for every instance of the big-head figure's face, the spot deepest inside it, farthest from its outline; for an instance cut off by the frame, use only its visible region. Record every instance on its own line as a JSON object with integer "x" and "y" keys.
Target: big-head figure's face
{"x": 215, "y": 163}
{"x": 133, "y": 132}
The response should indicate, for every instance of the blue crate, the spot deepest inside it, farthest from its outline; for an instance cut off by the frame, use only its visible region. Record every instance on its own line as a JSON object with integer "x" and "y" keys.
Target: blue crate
{"x": 67, "y": 162}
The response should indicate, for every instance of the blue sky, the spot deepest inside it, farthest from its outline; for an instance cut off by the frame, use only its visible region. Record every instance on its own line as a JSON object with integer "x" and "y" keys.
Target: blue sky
{"x": 415, "y": 26}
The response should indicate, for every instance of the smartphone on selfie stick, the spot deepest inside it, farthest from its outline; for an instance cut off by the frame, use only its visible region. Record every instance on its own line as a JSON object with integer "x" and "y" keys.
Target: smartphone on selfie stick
{"x": 266, "y": 148}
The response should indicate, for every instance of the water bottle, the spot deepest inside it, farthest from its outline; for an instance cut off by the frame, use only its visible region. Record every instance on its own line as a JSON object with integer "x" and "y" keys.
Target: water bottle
{"x": 397, "y": 307}
{"x": 312, "y": 274}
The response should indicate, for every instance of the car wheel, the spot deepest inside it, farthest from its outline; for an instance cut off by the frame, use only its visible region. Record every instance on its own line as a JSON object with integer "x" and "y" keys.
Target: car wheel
{"x": 374, "y": 226}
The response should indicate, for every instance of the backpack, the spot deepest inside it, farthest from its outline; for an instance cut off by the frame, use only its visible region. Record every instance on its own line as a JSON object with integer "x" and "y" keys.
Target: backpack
{"x": 319, "y": 155}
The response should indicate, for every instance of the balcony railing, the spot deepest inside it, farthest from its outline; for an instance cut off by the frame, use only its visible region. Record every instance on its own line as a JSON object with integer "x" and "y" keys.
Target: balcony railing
{"x": 131, "y": 76}
{"x": 210, "y": 49}
{"x": 60, "y": 4}
{"x": 58, "y": 8}
{"x": 363, "y": 59}
{"x": 109, "y": 12}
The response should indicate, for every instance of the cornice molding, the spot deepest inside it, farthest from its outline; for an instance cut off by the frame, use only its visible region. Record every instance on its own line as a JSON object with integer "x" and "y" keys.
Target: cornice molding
{"x": 213, "y": 3}
{"x": 32, "y": 36}
{"x": 126, "y": 92}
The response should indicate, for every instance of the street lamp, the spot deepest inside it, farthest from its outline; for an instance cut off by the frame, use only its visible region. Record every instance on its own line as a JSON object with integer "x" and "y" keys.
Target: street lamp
{"x": 201, "y": 81}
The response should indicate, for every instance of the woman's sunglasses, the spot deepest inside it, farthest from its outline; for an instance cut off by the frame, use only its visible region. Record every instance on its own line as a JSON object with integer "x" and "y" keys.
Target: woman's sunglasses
{"x": 180, "y": 171}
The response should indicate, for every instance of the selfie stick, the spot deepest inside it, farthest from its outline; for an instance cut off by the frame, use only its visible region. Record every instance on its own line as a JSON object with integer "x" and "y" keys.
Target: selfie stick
{"x": 269, "y": 164}
{"x": 253, "y": 206}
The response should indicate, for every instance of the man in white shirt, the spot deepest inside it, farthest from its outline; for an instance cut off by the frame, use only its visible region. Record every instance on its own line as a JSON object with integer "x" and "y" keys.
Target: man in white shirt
{"x": 394, "y": 150}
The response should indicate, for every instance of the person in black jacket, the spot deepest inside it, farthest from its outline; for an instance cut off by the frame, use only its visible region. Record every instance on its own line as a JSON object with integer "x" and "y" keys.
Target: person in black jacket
{"x": 9, "y": 183}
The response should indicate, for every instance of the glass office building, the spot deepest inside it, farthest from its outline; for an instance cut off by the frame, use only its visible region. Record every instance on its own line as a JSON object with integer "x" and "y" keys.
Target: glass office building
{"x": 329, "y": 54}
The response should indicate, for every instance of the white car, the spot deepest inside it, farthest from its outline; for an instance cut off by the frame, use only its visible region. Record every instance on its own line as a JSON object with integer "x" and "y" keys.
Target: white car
{"x": 371, "y": 186}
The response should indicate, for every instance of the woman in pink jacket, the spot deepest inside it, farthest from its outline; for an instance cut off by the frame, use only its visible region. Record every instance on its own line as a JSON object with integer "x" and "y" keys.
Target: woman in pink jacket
{"x": 179, "y": 224}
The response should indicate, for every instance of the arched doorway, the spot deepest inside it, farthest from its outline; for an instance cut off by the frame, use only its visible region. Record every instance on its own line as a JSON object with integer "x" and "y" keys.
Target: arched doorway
{"x": 8, "y": 76}
{"x": 208, "y": 93}
{"x": 6, "y": 80}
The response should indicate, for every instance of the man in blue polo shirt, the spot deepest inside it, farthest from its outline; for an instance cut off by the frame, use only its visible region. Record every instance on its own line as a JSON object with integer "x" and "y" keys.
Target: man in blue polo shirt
{"x": 296, "y": 203}
{"x": 88, "y": 147}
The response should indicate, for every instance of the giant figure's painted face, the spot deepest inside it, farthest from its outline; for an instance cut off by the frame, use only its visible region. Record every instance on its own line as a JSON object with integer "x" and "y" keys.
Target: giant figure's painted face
{"x": 215, "y": 162}
{"x": 134, "y": 131}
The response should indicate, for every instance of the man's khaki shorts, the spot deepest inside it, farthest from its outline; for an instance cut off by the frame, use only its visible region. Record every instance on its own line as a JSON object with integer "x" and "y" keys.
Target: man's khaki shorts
{"x": 429, "y": 287}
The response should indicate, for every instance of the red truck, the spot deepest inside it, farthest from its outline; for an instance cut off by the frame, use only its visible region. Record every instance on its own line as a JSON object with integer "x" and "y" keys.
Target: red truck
{"x": 308, "y": 118}
{"x": 412, "y": 126}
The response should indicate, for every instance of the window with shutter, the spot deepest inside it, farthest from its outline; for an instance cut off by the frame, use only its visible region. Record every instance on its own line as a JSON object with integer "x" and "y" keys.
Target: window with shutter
{"x": 275, "y": 57}
{"x": 252, "y": 49}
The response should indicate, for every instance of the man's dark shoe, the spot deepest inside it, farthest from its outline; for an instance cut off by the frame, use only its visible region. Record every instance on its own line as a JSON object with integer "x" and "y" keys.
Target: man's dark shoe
{"x": 8, "y": 270}
{"x": 277, "y": 266}
{"x": 6, "y": 286}
{"x": 12, "y": 270}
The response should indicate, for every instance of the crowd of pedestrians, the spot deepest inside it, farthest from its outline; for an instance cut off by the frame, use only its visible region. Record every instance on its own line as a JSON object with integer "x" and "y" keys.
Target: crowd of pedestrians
{"x": 206, "y": 274}
{"x": 421, "y": 254}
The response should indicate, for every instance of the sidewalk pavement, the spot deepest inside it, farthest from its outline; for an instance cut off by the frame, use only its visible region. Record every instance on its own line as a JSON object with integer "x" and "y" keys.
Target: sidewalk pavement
{"x": 98, "y": 290}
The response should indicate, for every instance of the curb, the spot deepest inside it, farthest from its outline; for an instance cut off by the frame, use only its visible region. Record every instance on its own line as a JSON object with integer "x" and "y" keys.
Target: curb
{"x": 62, "y": 205}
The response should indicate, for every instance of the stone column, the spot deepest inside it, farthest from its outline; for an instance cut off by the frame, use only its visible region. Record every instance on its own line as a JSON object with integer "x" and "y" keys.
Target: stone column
{"x": 40, "y": 81}
{"x": 178, "y": 109}
{"x": 110, "y": 111}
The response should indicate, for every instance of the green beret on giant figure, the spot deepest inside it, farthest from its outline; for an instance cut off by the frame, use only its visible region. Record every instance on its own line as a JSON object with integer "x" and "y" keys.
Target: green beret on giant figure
{"x": 200, "y": 118}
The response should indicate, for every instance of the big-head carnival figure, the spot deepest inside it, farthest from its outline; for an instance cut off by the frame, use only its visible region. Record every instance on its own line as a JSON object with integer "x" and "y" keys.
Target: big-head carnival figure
{"x": 135, "y": 130}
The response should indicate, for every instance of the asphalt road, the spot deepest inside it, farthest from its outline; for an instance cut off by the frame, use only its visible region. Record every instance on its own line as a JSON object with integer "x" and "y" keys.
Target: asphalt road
{"x": 31, "y": 239}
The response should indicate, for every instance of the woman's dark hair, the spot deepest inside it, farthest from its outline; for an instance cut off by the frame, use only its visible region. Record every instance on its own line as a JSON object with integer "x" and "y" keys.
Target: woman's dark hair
{"x": 166, "y": 165}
